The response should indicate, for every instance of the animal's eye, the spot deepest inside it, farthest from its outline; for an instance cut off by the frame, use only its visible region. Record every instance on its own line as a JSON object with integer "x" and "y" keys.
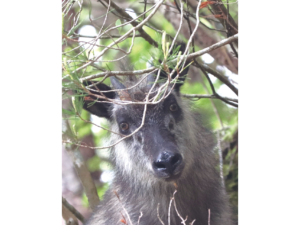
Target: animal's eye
{"x": 124, "y": 126}
{"x": 173, "y": 107}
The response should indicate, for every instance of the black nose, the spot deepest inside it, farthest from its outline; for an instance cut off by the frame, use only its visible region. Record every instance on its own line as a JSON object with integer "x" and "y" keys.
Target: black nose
{"x": 168, "y": 164}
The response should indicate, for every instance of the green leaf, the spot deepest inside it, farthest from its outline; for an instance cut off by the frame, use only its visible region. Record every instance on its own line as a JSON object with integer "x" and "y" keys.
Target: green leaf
{"x": 118, "y": 23}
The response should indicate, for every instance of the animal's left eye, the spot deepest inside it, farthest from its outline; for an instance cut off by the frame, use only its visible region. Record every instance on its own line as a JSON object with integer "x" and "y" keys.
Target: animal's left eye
{"x": 124, "y": 126}
{"x": 173, "y": 107}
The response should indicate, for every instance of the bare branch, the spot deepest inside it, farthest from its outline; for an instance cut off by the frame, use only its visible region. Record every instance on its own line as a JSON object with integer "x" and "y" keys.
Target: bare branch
{"x": 207, "y": 96}
{"x": 72, "y": 210}
{"x": 219, "y": 76}
{"x": 104, "y": 37}
{"x": 104, "y": 128}
{"x": 169, "y": 211}
{"x": 220, "y": 157}
{"x": 122, "y": 37}
{"x": 134, "y": 23}
{"x": 214, "y": 46}
{"x": 140, "y": 217}
{"x": 208, "y": 216}
{"x": 214, "y": 92}
{"x": 225, "y": 18}
{"x": 123, "y": 207}
{"x": 139, "y": 72}
{"x": 159, "y": 216}
{"x": 182, "y": 220}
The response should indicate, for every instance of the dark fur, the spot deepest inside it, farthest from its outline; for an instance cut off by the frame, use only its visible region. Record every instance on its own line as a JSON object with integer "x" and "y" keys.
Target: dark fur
{"x": 139, "y": 189}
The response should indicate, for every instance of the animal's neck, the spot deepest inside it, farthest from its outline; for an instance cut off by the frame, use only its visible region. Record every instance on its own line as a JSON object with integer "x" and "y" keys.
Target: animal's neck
{"x": 161, "y": 190}
{"x": 190, "y": 197}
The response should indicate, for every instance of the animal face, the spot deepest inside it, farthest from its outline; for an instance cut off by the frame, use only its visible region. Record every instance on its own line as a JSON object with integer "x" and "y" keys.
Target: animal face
{"x": 154, "y": 147}
{"x": 157, "y": 149}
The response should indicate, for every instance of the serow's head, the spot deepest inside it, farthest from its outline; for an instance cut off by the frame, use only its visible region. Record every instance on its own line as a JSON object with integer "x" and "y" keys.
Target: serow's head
{"x": 153, "y": 150}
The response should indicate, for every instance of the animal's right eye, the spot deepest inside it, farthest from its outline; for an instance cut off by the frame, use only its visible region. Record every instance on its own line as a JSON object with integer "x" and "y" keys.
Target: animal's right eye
{"x": 124, "y": 126}
{"x": 173, "y": 107}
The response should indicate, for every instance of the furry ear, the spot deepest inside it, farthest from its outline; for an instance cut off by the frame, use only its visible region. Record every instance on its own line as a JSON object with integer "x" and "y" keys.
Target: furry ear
{"x": 183, "y": 74}
{"x": 98, "y": 108}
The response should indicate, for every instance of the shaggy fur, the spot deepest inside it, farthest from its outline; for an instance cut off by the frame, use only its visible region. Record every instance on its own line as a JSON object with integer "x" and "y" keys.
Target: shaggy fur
{"x": 199, "y": 185}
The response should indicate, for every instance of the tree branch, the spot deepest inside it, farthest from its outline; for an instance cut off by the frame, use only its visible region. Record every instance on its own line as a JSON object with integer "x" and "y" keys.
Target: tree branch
{"x": 140, "y": 72}
{"x": 134, "y": 23}
{"x": 226, "y": 19}
{"x": 207, "y": 96}
{"x": 105, "y": 37}
{"x": 72, "y": 210}
{"x": 214, "y": 46}
{"x": 219, "y": 76}
{"x": 122, "y": 38}
{"x": 213, "y": 88}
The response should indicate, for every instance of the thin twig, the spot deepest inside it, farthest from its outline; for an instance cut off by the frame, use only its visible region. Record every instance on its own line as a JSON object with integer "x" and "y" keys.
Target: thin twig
{"x": 148, "y": 70}
{"x": 207, "y": 96}
{"x": 220, "y": 158}
{"x": 208, "y": 216}
{"x": 221, "y": 77}
{"x": 104, "y": 128}
{"x": 123, "y": 207}
{"x": 169, "y": 211}
{"x": 140, "y": 217}
{"x": 123, "y": 37}
{"x": 182, "y": 220}
{"x": 146, "y": 36}
{"x": 159, "y": 216}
